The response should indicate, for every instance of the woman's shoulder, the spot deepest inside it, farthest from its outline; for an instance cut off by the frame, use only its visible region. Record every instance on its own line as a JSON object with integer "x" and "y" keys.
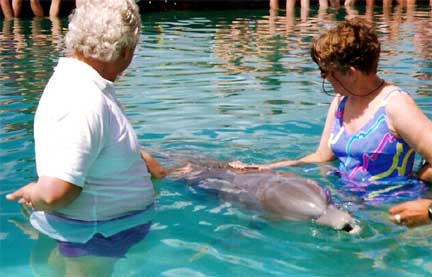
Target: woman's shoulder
{"x": 399, "y": 105}
{"x": 395, "y": 98}
{"x": 392, "y": 99}
{"x": 392, "y": 91}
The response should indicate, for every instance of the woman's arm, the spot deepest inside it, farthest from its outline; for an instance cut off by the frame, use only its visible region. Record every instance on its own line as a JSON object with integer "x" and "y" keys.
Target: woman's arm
{"x": 407, "y": 121}
{"x": 47, "y": 194}
{"x": 153, "y": 166}
{"x": 323, "y": 153}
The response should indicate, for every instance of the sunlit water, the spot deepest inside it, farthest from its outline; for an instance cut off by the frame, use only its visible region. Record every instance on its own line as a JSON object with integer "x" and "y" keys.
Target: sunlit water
{"x": 227, "y": 85}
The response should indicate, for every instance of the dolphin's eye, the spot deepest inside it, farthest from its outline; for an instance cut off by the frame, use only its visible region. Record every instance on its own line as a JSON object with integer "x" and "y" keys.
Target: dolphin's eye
{"x": 347, "y": 227}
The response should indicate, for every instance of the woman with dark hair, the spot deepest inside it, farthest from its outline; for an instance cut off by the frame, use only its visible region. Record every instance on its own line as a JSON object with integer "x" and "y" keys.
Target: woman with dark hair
{"x": 373, "y": 128}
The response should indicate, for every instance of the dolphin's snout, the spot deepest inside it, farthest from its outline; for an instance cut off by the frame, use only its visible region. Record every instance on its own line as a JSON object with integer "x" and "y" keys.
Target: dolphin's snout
{"x": 347, "y": 228}
{"x": 351, "y": 228}
{"x": 338, "y": 220}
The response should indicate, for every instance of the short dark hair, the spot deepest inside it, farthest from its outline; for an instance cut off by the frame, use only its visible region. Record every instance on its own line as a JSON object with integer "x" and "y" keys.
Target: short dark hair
{"x": 351, "y": 43}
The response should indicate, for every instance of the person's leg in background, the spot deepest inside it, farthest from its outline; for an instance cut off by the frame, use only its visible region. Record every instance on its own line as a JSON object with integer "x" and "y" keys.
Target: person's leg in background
{"x": 6, "y": 9}
{"x": 54, "y": 8}
{"x": 36, "y": 8}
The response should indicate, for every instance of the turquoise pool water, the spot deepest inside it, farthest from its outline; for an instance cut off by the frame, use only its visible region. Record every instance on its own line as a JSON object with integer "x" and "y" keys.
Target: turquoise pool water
{"x": 227, "y": 85}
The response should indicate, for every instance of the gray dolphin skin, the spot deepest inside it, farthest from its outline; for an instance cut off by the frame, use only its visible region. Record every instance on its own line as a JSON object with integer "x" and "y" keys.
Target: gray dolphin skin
{"x": 279, "y": 194}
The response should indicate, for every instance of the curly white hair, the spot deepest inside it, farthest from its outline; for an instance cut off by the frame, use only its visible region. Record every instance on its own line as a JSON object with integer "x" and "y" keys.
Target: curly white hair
{"x": 102, "y": 29}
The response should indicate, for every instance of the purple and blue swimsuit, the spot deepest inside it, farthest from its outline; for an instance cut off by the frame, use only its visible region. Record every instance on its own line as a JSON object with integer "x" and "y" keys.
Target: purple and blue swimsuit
{"x": 374, "y": 163}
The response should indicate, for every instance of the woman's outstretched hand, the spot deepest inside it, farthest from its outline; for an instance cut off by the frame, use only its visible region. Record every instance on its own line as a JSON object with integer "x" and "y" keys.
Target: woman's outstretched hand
{"x": 241, "y": 165}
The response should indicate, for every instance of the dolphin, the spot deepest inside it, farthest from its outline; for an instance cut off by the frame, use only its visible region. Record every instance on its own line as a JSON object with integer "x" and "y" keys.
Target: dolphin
{"x": 280, "y": 194}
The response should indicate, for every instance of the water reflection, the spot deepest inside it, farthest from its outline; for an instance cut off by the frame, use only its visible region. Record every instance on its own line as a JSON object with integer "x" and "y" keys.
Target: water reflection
{"x": 268, "y": 46}
{"x": 278, "y": 43}
{"x": 28, "y": 51}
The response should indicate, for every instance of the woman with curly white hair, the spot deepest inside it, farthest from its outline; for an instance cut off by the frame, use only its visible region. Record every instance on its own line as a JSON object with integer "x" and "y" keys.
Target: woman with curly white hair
{"x": 94, "y": 193}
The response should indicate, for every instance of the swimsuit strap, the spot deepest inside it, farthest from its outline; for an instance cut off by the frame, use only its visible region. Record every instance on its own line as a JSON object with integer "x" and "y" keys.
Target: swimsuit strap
{"x": 339, "y": 111}
{"x": 386, "y": 99}
{"x": 383, "y": 102}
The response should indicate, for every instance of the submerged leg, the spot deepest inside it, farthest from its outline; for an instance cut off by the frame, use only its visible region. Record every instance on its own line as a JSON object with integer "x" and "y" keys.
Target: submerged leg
{"x": 89, "y": 266}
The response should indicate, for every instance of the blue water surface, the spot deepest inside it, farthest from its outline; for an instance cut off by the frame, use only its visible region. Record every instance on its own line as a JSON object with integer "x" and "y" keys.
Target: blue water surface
{"x": 230, "y": 85}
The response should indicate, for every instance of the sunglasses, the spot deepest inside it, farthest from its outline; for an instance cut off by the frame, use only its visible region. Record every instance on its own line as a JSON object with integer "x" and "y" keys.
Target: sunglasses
{"x": 323, "y": 71}
{"x": 326, "y": 91}
{"x": 324, "y": 74}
